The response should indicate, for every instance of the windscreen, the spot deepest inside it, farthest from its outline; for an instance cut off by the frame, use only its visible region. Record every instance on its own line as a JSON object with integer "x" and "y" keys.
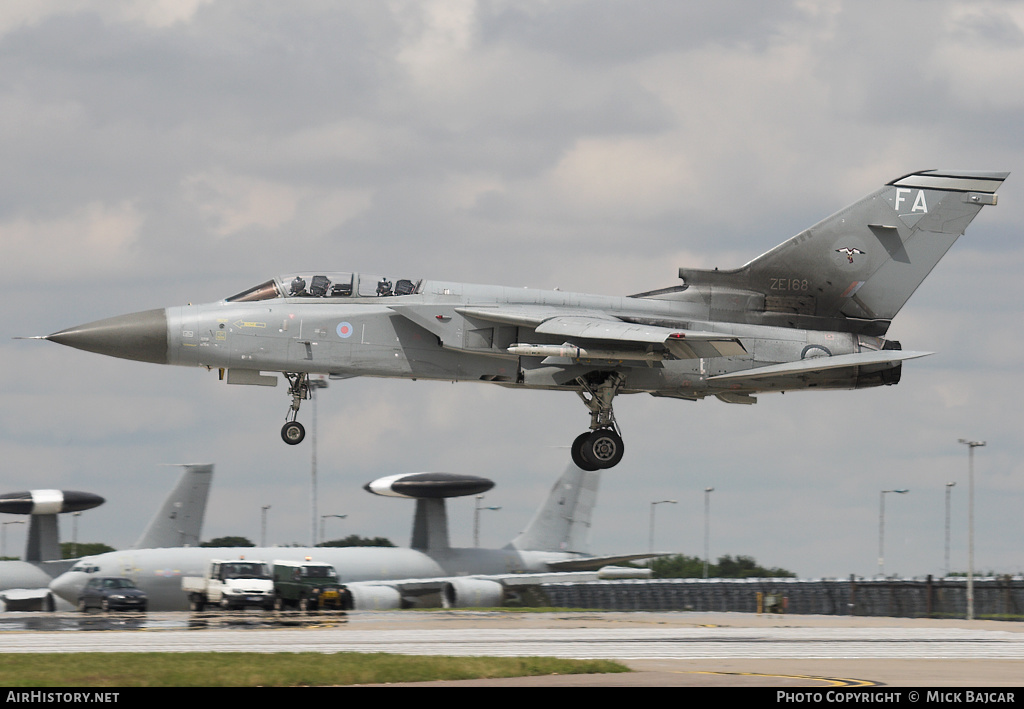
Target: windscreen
{"x": 245, "y": 570}
{"x": 264, "y": 291}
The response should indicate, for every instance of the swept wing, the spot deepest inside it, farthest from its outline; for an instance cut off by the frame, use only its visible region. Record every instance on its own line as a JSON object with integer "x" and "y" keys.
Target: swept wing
{"x": 609, "y": 331}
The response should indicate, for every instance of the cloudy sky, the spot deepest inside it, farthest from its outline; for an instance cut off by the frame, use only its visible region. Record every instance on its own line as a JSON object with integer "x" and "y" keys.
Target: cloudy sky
{"x": 159, "y": 152}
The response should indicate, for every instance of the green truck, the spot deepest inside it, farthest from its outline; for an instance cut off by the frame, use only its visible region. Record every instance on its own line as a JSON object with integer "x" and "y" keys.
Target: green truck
{"x": 309, "y": 586}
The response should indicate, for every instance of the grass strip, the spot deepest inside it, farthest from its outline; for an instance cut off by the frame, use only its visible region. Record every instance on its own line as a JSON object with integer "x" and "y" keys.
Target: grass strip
{"x": 253, "y": 669}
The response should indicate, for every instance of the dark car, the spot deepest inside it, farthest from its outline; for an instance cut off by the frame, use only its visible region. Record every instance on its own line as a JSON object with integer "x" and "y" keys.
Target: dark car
{"x": 112, "y": 593}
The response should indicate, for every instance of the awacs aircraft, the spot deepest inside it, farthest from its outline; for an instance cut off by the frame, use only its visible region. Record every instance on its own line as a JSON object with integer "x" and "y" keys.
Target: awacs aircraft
{"x": 812, "y": 313}
{"x": 429, "y": 573}
{"x": 24, "y": 585}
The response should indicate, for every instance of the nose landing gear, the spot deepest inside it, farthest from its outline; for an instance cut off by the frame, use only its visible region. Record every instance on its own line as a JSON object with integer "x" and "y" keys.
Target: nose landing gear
{"x": 293, "y": 432}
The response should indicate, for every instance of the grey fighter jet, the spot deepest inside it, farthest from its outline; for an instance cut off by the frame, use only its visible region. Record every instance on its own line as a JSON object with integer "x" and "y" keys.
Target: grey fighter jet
{"x": 811, "y": 313}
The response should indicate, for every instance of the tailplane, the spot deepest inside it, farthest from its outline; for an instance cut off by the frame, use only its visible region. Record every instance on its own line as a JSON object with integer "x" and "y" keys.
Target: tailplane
{"x": 864, "y": 262}
{"x": 563, "y": 522}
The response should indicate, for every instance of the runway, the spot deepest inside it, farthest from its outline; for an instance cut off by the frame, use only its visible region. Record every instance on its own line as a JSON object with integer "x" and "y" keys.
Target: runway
{"x": 688, "y": 649}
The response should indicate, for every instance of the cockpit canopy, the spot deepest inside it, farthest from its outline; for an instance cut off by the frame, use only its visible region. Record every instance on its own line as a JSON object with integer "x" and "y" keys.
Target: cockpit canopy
{"x": 327, "y": 285}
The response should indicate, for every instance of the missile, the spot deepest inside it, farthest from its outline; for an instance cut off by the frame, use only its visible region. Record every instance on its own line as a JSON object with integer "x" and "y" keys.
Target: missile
{"x": 48, "y": 502}
{"x": 428, "y": 485}
{"x": 574, "y": 352}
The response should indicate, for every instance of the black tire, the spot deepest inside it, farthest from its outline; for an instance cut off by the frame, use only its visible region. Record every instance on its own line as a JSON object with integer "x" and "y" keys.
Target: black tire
{"x": 292, "y": 433}
{"x": 105, "y": 605}
{"x": 196, "y": 604}
{"x": 82, "y": 606}
{"x": 577, "y": 453}
{"x": 603, "y": 448}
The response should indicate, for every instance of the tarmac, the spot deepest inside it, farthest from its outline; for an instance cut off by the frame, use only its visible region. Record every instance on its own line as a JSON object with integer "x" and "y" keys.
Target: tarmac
{"x": 664, "y": 649}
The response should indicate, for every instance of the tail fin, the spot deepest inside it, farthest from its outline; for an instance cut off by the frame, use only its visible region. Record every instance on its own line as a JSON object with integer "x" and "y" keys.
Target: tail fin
{"x": 179, "y": 521}
{"x": 563, "y": 522}
{"x": 865, "y": 261}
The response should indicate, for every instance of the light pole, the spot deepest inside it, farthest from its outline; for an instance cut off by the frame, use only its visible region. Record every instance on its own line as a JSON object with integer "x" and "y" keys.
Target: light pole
{"x": 476, "y": 518}
{"x": 949, "y": 490}
{"x": 971, "y": 445}
{"x": 707, "y": 526}
{"x": 650, "y": 536}
{"x": 3, "y": 534}
{"x": 74, "y": 533}
{"x": 263, "y": 525}
{"x": 314, "y": 384}
{"x": 881, "y": 529}
{"x": 322, "y": 518}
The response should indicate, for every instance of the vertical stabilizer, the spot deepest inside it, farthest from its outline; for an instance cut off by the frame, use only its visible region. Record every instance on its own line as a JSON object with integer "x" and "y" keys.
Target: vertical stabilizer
{"x": 179, "y": 521}
{"x": 865, "y": 261}
{"x": 563, "y": 522}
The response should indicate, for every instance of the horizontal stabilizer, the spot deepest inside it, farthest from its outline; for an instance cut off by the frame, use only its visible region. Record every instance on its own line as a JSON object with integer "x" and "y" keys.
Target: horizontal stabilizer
{"x": 821, "y": 364}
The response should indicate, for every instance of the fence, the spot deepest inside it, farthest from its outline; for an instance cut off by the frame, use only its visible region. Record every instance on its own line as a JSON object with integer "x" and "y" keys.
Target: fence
{"x": 1001, "y": 597}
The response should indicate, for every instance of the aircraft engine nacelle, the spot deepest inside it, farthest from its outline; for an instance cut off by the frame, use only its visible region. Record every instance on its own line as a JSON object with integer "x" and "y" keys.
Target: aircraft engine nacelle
{"x": 471, "y": 593}
{"x": 374, "y": 598}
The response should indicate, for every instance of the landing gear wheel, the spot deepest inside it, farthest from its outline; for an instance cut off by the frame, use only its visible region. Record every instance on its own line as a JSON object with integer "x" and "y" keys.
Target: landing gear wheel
{"x": 603, "y": 448}
{"x": 293, "y": 433}
{"x": 577, "y": 453}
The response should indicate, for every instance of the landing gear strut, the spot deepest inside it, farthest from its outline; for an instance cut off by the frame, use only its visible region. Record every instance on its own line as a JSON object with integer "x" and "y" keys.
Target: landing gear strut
{"x": 601, "y": 447}
{"x": 298, "y": 386}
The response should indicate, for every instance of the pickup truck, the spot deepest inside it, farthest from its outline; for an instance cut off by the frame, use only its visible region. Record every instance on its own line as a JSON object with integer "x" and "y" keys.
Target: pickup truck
{"x": 309, "y": 586}
{"x": 231, "y": 584}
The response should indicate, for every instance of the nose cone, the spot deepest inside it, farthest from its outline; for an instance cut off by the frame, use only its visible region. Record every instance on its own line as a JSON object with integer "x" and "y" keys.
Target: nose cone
{"x": 139, "y": 336}
{"x": 68, "y": 584}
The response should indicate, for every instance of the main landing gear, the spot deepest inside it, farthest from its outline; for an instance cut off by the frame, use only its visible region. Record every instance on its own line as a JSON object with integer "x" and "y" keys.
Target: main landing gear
{"x": 601, "y": 447}
{"x": 298, "y": 386}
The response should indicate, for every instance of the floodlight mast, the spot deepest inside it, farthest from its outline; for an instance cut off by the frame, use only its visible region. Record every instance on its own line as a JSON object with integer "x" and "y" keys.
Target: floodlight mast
{"x": 971, "y": 445}
{"x": 881, "y": 529}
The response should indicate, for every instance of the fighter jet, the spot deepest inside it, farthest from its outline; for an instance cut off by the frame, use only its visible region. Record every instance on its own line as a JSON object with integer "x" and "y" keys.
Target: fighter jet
{"x": 811, "y": 313}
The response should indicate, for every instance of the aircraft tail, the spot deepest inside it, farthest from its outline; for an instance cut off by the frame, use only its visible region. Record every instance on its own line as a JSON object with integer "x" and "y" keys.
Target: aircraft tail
{"x": 563, "y": 522}
{"x": 179, "y": 521}
{"x": 864, "y": 262}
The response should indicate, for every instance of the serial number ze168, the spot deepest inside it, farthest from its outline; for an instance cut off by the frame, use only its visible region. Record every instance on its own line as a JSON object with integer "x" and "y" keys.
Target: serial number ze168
{"x": 789, "y": 284}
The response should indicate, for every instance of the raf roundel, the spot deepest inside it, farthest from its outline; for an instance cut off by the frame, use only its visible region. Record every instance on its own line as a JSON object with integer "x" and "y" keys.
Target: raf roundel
{"x": 344, "y": 330}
